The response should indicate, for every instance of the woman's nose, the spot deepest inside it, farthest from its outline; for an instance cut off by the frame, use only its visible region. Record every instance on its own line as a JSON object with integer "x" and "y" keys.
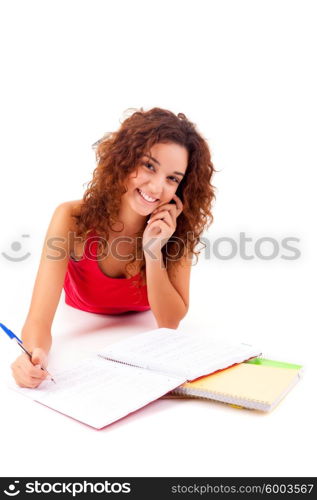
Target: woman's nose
{"x": 156, "y": 186}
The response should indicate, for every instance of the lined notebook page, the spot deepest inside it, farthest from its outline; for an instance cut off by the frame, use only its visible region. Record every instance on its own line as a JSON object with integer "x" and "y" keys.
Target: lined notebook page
{"x": 99, "y": 392}
{"x": 179, "y": 353}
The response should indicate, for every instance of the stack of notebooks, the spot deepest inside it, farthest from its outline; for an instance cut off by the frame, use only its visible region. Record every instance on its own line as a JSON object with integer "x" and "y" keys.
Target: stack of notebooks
{"x": 257, "y": 384}
{"x": 132, "y": 373}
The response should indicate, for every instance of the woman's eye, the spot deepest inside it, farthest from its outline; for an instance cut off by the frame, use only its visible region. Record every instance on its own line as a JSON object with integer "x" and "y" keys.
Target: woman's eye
{"x": 148, "y": 165}
{"x": 175, "y": 179}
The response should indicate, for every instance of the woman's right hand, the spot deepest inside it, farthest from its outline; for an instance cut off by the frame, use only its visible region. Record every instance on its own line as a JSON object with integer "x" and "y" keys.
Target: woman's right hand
{"x": 28, "y": 373}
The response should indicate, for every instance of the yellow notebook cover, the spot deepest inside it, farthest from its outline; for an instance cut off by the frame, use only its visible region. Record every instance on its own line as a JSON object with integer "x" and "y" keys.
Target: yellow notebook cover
{"x": 249, "y": 385}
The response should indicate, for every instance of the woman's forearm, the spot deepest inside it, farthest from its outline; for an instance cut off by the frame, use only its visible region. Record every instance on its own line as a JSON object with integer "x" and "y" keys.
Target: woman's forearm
{"x": 35, "y": 334}
{"x": 166, "y": 303}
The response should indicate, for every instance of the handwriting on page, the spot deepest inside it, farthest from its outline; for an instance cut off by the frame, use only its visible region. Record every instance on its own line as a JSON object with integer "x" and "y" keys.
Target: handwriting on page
{"x": 99, "y": 392}
{"x": 173, "y": 352}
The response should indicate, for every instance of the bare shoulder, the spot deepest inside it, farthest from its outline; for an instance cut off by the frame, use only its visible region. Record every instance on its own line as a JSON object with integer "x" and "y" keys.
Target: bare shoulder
{"x": 53, "y": 265}
{"x": 65, "y": 215}
{"x": 73, "y": 206}
{"x": 67, "y": 210}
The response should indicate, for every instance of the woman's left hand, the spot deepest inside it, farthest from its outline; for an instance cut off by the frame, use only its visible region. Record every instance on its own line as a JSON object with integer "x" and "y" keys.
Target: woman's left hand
{"x": 161, "y": 226}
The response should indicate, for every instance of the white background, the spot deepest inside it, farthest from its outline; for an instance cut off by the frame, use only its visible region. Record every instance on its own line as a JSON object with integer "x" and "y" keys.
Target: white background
{"x": 245, "y": 73}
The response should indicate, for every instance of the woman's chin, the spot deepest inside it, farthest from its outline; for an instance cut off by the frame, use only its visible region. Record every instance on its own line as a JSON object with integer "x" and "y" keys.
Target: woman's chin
{"x": 137, "y": 209}
{"x": 144, "y": 213}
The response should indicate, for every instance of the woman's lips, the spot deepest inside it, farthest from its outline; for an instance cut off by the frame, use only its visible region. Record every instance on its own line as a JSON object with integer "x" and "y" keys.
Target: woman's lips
{"x": 146, "y": 201}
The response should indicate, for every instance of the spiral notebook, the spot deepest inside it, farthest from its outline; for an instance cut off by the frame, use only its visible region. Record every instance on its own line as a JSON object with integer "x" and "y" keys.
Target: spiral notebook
{"x": 258, "y": 384}
{"x": 134, "y": 372}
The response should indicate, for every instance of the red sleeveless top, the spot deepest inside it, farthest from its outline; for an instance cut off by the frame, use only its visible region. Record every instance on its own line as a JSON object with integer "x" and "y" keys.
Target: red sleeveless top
{"x": 89, "y": 289}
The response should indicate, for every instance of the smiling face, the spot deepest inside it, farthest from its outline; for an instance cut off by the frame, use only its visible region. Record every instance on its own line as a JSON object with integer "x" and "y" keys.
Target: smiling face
{"x": 156, "y": 178}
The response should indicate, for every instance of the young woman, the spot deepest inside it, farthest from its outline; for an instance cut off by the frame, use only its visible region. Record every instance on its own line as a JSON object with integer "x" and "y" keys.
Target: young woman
{"x": 128, "y": 244}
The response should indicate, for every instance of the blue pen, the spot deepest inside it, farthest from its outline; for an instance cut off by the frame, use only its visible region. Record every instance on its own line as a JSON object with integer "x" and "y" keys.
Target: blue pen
{"x": 19, "y": 342}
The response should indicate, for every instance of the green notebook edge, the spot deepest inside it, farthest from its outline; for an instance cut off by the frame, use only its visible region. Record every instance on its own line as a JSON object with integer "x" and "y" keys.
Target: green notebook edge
{"x": 271, "y": 362}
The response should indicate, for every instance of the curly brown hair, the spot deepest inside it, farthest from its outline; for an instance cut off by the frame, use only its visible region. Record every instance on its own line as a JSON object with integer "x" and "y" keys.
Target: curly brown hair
{"x": 119, "y": 153}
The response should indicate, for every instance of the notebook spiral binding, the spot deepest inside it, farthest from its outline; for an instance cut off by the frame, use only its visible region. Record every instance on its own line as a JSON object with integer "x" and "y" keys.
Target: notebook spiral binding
{"x": 225, "y": 397}
{"x": 121, "y": 362}
{"x": 235, "y": 400}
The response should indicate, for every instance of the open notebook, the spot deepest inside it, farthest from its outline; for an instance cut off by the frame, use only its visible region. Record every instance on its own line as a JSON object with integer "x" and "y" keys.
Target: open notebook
{"x": 134, "y": 372}
{"x": 258, "y": 384}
